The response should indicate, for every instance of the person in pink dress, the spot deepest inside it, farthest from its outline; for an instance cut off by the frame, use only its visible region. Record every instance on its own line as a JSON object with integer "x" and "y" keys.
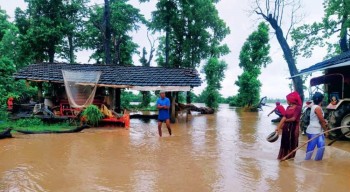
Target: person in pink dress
{"x": 289, "y": 126}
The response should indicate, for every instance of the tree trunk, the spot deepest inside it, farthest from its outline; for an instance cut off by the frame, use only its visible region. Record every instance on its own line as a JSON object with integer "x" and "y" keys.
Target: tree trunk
{"x": 145, "y": 98}
{"x": 167, "y": 33}
{"x": 343, "y": 42}
{"x": 116, "y": 45}
{"x": 167, "y": 46}
{"x": 51, "y": 53}
{"x": 107, "y": 32}
{"x": 297, "y": 81}
{"x": 188, "y": 97}
{"x": 71, "y": 49}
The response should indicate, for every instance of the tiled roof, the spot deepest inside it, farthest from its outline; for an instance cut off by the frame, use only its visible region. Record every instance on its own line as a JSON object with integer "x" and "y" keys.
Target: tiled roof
{"x": 114, "y": 74}
{"x": 329, "y": 63}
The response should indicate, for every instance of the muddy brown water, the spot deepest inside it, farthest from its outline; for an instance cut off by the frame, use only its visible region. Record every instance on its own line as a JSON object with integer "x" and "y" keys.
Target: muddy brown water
{"x": 222, "y": 152}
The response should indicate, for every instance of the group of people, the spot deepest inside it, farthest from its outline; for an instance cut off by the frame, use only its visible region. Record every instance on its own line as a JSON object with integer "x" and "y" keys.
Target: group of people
{"x": 288, "y": 126}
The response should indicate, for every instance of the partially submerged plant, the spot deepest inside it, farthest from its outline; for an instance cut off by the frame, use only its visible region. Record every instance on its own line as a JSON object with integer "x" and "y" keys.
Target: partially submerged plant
{"x": 93, "y": 114}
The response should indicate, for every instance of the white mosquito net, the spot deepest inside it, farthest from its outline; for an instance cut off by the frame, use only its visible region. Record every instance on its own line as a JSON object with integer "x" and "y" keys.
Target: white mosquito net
{"x": 80, "y": 87}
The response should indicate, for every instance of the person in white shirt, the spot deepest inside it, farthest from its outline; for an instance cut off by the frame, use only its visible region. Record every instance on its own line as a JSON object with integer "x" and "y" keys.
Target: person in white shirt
{"x": 316, "y": 126}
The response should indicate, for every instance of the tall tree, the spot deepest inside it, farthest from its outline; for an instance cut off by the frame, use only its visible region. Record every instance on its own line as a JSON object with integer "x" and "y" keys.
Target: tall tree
{"x": 214, "y": 71}
{"x": 146, "y": 95}
{"x": 254, "y": 55}
{"x": 193, "y": 32}
{"x": 124, "y": 19}
{"x": 10, "y": 60}
{"x": 107, "y": 32}
{"x": 273, "y": 11}
{"x": 334, "y": 25}
{"x": 41, "y": 26}
{"x": 75, "y": 14}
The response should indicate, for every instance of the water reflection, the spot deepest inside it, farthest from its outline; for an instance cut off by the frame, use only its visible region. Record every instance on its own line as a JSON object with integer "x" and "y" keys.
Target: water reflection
{"x": 226, "y": 151}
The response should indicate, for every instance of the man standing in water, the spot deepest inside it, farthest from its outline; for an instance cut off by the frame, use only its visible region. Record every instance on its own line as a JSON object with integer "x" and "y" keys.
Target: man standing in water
{"x": 163, "y": 105}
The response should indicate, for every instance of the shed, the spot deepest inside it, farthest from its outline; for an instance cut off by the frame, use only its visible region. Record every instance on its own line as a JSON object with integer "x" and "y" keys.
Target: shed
{"x": 116, "y": 77}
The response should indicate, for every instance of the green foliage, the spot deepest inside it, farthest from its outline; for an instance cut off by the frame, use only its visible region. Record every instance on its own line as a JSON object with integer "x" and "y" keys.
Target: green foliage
{"x": 232, "y": 101}
{"x": 28, "y": 122}
{"x": 10, "y": 62}
{"x": 253, "y": 56}
{"x": 3, "y": 114}
{"x": 124, "y": 19}
{"x": 73, "y": 27}
{"x": 214, "y": 71}
{"x": 92, "y": 114}
{"x": 183, "y": 22}
{"x": 332, "y": 30}
{"x": 146, "y": 98}
{"x": 34, "y": 124}
{"x": 42, "y": 27}
{"x": 127, "y": 97}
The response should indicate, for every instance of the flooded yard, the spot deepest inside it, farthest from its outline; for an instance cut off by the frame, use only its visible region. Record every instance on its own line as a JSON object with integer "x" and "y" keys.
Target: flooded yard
{"x": 226, "y": 151}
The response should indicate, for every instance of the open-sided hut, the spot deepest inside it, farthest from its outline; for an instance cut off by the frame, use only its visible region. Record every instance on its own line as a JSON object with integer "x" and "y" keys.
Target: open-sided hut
{"x": 113, "y": 78}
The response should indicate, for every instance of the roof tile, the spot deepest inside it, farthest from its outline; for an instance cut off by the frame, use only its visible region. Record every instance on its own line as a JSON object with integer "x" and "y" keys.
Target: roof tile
{"x": 115, "y": 74}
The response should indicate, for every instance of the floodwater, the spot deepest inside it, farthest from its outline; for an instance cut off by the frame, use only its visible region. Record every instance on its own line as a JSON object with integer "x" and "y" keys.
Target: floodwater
{"x": 222, "y": 152}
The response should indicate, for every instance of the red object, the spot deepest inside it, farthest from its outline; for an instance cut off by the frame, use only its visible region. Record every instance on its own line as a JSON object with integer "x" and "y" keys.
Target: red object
{"x": 290, "y": 132}
{"x": 10, "y": 103}
{"x": 294, "y": 98}
{"x": 124, "y": 119}
{"x": 281, "y": 109}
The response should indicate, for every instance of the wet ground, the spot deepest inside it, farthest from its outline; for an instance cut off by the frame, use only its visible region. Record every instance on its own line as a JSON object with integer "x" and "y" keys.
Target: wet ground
{"x": 222, "y": 152}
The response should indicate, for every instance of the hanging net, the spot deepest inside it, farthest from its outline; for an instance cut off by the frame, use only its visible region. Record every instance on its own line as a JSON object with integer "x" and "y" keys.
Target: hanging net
{"x": 80, "y": 87}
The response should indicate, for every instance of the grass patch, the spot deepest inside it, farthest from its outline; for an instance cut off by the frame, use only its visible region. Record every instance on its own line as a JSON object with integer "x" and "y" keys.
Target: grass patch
{"x": 34, "y": 124}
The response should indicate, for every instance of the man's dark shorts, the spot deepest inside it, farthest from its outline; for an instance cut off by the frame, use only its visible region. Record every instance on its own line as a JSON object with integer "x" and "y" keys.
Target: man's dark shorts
{"x": 162, "y": 120}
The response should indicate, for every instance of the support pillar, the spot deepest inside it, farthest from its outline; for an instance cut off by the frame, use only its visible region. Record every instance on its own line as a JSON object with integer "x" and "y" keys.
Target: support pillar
{"x": 188, "y": 97}
{"x": 40, "y": 92}
{"x": 173, "y": 114}
{"x": 117, "y": 101}
{"x": 172, "y": 107}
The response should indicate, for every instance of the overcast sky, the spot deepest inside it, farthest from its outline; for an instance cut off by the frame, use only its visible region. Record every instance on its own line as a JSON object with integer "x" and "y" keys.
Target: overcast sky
{"x": 235, "y": 14}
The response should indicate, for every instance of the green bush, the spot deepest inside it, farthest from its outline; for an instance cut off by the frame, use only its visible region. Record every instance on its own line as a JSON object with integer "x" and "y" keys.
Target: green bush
{"x": 93, "y": 114}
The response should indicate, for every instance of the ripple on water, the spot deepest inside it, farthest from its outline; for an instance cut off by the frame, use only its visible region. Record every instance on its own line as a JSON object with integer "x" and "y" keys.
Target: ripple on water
{"x": 22, "y": 178}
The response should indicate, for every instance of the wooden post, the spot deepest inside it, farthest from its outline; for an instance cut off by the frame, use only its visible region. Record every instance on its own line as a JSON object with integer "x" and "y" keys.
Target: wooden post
{"x": 173, "y": 114}
{"x": 111, "y": 96}
{"x": 170, "y": 97}
{"x": 40, "y": 92}
{"x": 117, "y": 100}
{"x": 188, "y": 97}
